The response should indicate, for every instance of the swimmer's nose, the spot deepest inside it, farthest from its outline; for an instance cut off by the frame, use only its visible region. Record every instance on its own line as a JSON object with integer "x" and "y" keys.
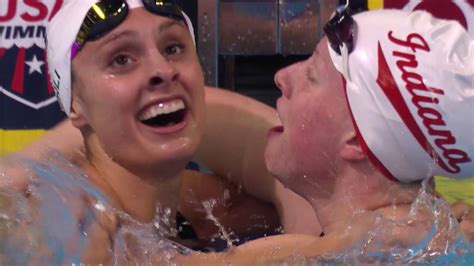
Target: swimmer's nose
{"x": 163, "y": 73}
{"x": 281, "y": 81}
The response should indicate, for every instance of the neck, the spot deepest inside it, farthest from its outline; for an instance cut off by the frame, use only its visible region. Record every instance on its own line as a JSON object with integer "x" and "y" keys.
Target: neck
{"x": 355, "y": 190}
{"x": 137, "y": 195}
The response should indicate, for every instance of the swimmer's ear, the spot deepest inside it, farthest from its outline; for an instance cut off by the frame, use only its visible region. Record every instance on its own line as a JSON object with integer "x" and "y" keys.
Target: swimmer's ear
{"x": 352, "y": 151}
{"x": 76, "y": 114}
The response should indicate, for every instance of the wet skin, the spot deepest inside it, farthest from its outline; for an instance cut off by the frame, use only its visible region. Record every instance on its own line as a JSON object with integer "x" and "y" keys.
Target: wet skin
{"x": 314, "y": 115}
{"x": 145, "y": 61}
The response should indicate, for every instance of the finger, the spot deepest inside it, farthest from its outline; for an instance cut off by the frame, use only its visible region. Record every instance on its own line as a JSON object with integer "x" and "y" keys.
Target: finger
{"x": 14, "y": 176}
{"x": 98, "y": 248}
{"x": 104, "y": 214}
{"x": 99, "y": 224}
{"x": 459, "y": 209}
{"x": 467, "y": 224}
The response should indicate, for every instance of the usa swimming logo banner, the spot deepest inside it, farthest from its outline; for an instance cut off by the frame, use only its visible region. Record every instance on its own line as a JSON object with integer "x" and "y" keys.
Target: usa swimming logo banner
{"x": 27, "y": 101}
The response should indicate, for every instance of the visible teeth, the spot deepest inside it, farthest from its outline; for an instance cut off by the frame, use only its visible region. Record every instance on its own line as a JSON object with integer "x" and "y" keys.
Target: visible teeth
{"x": 162, "y": 108}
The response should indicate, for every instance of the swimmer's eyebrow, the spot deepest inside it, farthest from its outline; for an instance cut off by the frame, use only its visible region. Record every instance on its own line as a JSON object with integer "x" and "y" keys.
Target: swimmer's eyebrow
{"x": 130, "y": 33}
{"x": 115, "y": 36}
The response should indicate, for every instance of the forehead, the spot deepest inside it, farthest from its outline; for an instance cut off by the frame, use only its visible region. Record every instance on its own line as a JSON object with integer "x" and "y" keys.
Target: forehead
{"x": 321, "y": 52}
{"x": 139, "y": 25}
{"x": 140, "y": 17}
{"x": 321, "y": 61}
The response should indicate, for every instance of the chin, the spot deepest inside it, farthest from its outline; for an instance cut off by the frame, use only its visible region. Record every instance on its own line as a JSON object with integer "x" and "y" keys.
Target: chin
{"x": 274, "y": 165}
{"x": 164, "y": 161}
{"x": 165, "y": 168}
{"x": 177, "y": 156}
{"x": 273, "y": 156}
{"x": 278, "y": 168}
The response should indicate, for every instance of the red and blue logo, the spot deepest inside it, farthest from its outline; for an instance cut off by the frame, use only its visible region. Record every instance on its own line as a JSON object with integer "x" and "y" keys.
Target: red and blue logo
{"x": 27, "y": 99}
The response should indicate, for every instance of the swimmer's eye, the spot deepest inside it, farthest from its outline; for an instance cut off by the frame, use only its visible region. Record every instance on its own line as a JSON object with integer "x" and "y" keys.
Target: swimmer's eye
{"x": 120, "y": 60}
{"x": 310, "y": 76}
{"x": 174, "y": 49}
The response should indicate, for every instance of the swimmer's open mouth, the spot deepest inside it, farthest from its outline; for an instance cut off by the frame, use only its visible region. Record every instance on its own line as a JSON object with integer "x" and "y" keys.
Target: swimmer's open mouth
{"x": 278, "y": 129}
{"x": 164, "y": 114}
{"x": 275, "y": 131}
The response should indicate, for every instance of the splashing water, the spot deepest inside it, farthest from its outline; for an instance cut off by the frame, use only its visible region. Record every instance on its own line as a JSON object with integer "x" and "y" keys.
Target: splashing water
{"x": 144, "y": 243}
{"x": 49, "y": 220}
{"x": 443, "y": 242}
{"x": 39, "y": 221}
{"x": 48, "y": 223}
{"x": 208, "y": 206}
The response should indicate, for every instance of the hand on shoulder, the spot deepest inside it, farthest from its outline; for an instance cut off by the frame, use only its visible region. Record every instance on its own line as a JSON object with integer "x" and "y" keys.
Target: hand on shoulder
{"x": 464, "y": 213}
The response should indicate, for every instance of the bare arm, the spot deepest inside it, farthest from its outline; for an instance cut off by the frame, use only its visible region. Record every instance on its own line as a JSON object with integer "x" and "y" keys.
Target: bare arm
{"x": 274, "y": 250}
{"x": 233, "y": 147}
{"x": 64, "y": 138}
{"x": 264, "y": 251}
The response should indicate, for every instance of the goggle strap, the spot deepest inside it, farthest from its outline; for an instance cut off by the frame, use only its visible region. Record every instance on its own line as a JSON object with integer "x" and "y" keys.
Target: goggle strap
{"x": 189, "y": 24}
{"x": 74, "y": 50}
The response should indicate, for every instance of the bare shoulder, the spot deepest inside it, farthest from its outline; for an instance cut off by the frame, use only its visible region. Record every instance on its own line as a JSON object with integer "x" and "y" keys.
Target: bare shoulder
{"x": 63, "y": 138}
{"x": 14, "y": 177}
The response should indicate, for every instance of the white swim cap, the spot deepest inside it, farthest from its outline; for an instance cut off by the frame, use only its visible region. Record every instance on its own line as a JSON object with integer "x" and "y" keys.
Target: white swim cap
{"x": 409, "y": 85}
{"x": 61, "y": 34}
